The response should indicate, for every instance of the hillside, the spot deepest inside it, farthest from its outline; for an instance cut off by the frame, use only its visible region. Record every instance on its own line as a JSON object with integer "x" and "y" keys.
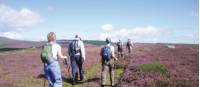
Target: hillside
{"x": 11, "y": 43}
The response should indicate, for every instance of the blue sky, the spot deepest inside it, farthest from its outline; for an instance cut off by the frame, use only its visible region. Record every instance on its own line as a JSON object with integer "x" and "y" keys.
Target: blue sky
{"x": 170, "y": 21}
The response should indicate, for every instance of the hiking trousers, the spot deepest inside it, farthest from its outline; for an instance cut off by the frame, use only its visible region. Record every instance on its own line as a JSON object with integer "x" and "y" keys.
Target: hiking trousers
{"x": 53, "y": 74}
{"x": 107, "y": 67}
{"x": 129, "y": 50}
{"x": 77, "y": 64}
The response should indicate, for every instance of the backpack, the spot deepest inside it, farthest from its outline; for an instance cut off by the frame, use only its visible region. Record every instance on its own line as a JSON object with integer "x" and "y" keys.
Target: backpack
{"x": 46, "y": 54}
{"x": 106, "y": 53}
{"x": 74, "y": 47}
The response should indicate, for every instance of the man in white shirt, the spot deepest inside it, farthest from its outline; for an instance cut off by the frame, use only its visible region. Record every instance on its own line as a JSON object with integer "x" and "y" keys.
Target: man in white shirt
{"x": 120, "y": 49}
{"x": 76, "y": 51}
{"x": 129, "y": 46}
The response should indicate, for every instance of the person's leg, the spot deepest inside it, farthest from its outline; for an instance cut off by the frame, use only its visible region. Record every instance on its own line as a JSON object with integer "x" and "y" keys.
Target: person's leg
{"x": 122, "y": 56}
{"x": 103, "y": 76}
{"x": 74, "y": 69}
{"x": 48, "y": 75}
{"x": 118, "y": 52}
{"x": 111, "y": 72}
{"x": 80, "y": 66}
{"x": 56, "y": 74}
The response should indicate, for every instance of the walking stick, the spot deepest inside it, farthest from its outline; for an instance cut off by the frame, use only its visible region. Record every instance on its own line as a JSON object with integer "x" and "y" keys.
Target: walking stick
{"x": 44, "y": 82}
{"x": 68, "y": 66}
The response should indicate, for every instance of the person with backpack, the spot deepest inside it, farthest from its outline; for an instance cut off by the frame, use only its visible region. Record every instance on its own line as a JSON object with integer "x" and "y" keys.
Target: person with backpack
{"x": 108, "y": 56}
{"x": 76, "y": 52}
{"x": 120, "y": 49}
{"x": 129, "y": 46}
{"x": 49, "y": 56}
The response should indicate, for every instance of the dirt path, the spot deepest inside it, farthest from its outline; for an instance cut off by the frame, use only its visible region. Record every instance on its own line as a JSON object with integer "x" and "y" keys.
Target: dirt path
{"x": 93, "y": 75}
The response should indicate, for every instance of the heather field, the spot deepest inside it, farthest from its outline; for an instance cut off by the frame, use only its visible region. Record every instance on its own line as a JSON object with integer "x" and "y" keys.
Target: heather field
{"x": 160, "y": 65}
{"x": 149, "y": 65}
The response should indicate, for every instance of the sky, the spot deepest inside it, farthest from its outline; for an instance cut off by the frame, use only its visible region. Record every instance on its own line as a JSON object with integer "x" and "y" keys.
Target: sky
{"x": 165, "y": 21}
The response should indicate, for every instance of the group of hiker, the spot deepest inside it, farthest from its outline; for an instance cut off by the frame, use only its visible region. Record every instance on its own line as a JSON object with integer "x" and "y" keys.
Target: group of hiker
{"x": 51, "y": 51}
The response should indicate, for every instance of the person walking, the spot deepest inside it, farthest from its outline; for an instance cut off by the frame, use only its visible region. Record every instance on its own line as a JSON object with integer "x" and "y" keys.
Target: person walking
{"x": 49, "y": 56}
{"x": 108, "y": 56}
{"x": 129, "y": 46}
{"x": 120, "y": 49}
{"x": 76, "y": 52}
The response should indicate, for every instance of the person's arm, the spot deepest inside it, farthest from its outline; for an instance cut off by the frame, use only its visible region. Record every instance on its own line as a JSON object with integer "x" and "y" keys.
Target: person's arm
{"x": 132, "y": 44}
{"x": 82, "y": 50}
{"x": 60, "y": 55}
{"x": 127, "y": 46}
{"x": 69, "y": 49}
{"x": 113, "y": 53}
{"x": 101, "y": 52}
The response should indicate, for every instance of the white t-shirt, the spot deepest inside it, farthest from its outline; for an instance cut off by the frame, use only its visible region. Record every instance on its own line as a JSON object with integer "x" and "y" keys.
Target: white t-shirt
{"x": 55, "y": 48}
{"x": 82, "y": 48}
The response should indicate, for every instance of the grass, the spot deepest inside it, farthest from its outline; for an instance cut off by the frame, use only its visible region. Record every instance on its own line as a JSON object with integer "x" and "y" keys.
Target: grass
{"x": 6, "y": 51}
{"x": 155, "y": 67}
{"x": 88, "y": 74}
{"x": 118, "y": 71}
{"x": 29, "y": 82}
{"x": 137, "y": 52}
{"x": 95, "y": 42}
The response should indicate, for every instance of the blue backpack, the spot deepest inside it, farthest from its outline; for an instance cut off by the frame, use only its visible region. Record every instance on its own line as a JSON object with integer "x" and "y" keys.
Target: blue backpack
{"x": 74, "y": 47}
{"x": 106, "y": 53}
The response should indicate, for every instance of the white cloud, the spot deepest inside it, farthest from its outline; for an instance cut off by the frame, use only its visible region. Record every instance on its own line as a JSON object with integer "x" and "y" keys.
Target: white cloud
{"x": 146, "y": 34}
{"x": 11, "y": 35}
{"x": 15, "y": 19}
{"x": 107, "y": 27}
{"x": 149, "y": 30}
{"x": 192, "y": 35}
{"x": 103, "y": 36}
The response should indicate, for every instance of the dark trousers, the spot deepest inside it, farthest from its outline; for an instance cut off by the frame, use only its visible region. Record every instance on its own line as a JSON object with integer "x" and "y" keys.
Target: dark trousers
{"x": 120, "y": 52}
{"x": 77, "y": 64}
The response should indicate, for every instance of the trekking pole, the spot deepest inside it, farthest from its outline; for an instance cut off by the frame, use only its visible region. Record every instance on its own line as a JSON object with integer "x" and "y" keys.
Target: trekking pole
{"x": 101, "y": 76}
{"x": 44, "y": 82}
{"x": 65, "y": 62}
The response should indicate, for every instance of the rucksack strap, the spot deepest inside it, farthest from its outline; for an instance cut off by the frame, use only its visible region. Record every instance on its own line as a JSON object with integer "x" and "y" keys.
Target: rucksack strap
{"x": 75, "y": 47}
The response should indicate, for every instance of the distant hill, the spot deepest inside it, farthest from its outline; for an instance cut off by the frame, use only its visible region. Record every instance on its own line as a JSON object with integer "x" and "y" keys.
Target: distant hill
{"x": 95, "y": 42}
{"x": 4, "y": 41}
{"x": 11, "y": 43}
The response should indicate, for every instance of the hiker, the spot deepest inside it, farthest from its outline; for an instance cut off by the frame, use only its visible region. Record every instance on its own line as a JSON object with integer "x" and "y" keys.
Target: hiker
{"x": 76, "y": 52}
{"x": 108, "y": 57}
{"x": 120, "y": 49}
{"x": 49, "y": 56}
{"x": 129, "y": 46}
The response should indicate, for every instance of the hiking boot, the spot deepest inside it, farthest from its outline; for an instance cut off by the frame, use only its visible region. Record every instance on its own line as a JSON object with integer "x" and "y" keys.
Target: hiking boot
{"x": 73, "y": 82}
{"x": 82, "y": 79}
{"x": 112, "y": 85}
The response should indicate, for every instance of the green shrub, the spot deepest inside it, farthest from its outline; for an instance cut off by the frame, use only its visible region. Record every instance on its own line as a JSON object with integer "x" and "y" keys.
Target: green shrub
{"x": 155, "y": 67}
{"x": 95, "y": 42}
